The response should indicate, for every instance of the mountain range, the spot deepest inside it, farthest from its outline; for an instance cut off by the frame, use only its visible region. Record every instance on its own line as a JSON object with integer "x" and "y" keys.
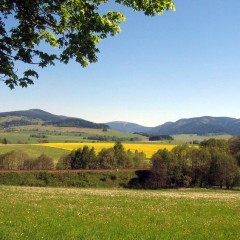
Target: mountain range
{"x": 128, "y": 127}
{"x": 38, "y": 116}
{"x": 199, "y": 125}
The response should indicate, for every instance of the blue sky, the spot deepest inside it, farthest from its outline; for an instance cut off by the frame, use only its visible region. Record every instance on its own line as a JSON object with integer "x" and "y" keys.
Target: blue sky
{"x": 179, "y": 65}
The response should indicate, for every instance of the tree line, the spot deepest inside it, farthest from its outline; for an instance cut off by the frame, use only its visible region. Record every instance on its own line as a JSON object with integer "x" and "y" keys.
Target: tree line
{"x": 82, "y": 158}
{"x": 19, "y": 160}
{"x": 214, "y": 163}
{"x": 107, "y": 158}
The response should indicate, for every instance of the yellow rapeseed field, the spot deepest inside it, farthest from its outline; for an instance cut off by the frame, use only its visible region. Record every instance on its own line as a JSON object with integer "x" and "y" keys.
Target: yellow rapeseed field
{"x": 147, "y": 148}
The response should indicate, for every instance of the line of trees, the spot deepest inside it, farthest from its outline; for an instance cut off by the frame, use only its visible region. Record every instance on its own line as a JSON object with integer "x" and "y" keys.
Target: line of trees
{"x": 214, "y": 163}
{"x": 107, "y": 158}
{"x": 160, "y": 137}
{"x": 82, "y": 158}
{"x": 19, "y": 160}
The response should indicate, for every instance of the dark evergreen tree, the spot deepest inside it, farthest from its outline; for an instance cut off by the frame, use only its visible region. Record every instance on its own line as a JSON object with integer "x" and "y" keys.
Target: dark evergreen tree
{"x": 75, "y": 159}
{"x": 64, "y": 162}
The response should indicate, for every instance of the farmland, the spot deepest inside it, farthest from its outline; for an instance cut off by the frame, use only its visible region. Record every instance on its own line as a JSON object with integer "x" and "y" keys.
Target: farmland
{"x": 34, "y": 150}
{"x": 54, "y": 134}
{"x": 25, "y": 134}
{"x": 60, "y": 213}
{"x": 56, "y": 150}
{"x": 147, "y": 148}
{"x": 188, "y": 138}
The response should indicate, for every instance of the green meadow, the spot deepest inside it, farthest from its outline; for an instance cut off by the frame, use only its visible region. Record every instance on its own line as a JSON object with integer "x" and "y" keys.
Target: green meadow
{"x": 188, "y": 138}
{"x": 71, "y": 213}
{"x": 27, "y": 134}
{"x": 34, "y": 150}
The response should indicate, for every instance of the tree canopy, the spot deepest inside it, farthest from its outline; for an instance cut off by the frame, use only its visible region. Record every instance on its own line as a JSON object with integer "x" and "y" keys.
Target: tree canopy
{"x": 74, "y": 27}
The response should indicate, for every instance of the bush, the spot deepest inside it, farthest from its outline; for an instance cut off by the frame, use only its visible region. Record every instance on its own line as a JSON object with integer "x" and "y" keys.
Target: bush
{"x": 43, "y": 162}
{"x": 14, "y": 160}
{"x": 58, "y": 179}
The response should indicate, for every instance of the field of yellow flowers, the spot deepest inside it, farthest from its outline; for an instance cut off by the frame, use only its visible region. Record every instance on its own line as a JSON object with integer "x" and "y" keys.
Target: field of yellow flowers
{"x": 148, "y": 148}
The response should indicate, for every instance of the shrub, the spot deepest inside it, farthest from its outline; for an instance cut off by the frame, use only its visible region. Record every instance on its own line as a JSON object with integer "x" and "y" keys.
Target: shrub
{"x": 43, "y": 162}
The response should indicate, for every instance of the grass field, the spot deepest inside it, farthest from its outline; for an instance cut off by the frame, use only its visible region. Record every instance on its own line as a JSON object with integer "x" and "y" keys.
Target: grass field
{"x": 56, "y": 150}
{"x": 54, "y": 134}
{"x": 34, "y": 150}
{"x": 60, "y": 134}
{"x": 60, "y": 213}
{"x": 147, "y": 148}
{"x": 50, "y": 128}
{"x": 186, "y": 138}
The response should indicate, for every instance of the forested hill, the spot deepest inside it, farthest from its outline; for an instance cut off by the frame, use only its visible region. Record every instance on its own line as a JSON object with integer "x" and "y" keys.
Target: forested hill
{"x": 200, "y": 125}
{"x": 128, "y": 127}
{"x": 38, "y": 116}
{"x": 77, "y": 122}
{"x": 33, "y": 114}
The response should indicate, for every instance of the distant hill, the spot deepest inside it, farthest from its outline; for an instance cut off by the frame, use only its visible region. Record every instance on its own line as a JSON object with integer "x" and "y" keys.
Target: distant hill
{"x": 77, "y": 122}
{"x": 34, "y": 114}
{"x": 200, "y": 126}
{"x": 128, "y": 127}
{"x": 38, "y": 116}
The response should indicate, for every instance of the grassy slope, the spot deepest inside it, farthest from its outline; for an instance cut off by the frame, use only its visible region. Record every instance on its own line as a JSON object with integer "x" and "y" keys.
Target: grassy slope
{"x": 50, "y": 128}
{"x": 73, "y": 134}
{"x": 148, "y": 149}
{"x": 57, "y": 213}
{"x": 186, "y": 138}
{"x": 9, "y": 119}
{"x": 34, "y": 151}
{"x": 57, "y": 134}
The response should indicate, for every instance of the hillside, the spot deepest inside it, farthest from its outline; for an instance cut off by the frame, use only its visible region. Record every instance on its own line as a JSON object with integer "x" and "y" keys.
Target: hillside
{"x": 76, "y": 122}
{"x": 38, "y": 116}
{"x": 200, "y": 126}
{"x": 38, "y": 126}
{"x": 33, "y": 114}
{"x": 127, "y": 127}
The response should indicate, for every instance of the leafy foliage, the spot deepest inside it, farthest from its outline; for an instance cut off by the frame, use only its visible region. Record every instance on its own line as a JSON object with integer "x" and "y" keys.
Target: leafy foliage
{"x": 213, "y": 144}
{"x": 73, "y": 27}
{"x": 83, "y": 158}
{"x": 43, "y": 162}
{"x": 19, "y": 160}
{"x": 107, "y": 158}
{"x": 68, "y": 179}
{"x": 234, "y": 145}
{"x": 183, "y": 166}
{"x": 13, "y": 160}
